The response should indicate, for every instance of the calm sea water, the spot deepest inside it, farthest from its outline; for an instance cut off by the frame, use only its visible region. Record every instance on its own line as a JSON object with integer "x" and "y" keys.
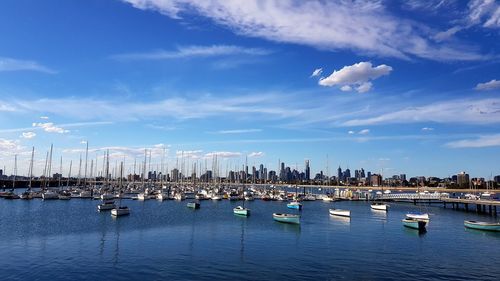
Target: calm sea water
{"x": 70, "y": 240}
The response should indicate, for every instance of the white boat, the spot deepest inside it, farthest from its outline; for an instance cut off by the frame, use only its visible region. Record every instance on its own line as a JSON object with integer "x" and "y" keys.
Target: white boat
{"x": 86, "y": 194}
{"x": 380, "y": 206}
{"x": 249, "y": 198}
{"x": 418, "y": 216}
{"x": 50, "y": 195}
{"x": 64, "y": 197}
{"x": 142, "y": 196}
{"x": 120, "y": 211}
{"x": 107, "y": 196}
{"x": 161, "y": 196}
{"x": 216, "y": 197}
{"x": 327, "y": 199}
{"x": 179, "y": 196}
{"x": 105, "y": 206}
{"x": 339, "y": 212}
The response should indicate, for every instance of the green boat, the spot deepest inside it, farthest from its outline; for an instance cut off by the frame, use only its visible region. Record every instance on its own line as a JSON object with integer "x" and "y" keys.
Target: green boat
{"x": 194, "y": 205}
{"x": 415, "y": 223}
{"x": 287, "y": 218}
{"x": 241, "y": 211}
{"x": 481, "y": 225}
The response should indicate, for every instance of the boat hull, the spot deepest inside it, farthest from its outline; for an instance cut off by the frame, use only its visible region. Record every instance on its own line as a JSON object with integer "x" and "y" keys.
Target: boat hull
{"x": 287, "y": 218}
{"x": 120, "y": 212}
{"x": 380, "y": 207}
{"x": 193, "y": 205}
{"x": 482, "y": 225}
{"x": 415, "y": 224}
{"x": 340, "y": 213}
{"x": 241, "y": 212}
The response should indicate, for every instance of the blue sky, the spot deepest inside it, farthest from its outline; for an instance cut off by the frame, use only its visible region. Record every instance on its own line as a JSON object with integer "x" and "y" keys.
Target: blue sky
{"x": 408, "y": 88}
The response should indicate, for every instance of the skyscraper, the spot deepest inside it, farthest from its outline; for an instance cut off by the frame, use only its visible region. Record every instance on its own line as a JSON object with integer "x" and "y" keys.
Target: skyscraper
{"x": 339, "y": 174}
{"x": 308, "y": 171}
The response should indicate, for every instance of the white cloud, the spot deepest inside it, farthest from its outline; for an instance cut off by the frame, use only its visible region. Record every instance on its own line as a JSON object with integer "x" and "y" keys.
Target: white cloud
{"x": 223, "y": 154}
{"x": 256, "y": 154}
{"x": 427, "y": 129}
{"x": 10, "y": 64}
{"x": 447, "y": 34}
{"x": 50, "y": 128}
{"x": 241, "y": 131}
{"x": 485, "y": 13}
{"x": 28, "y": 135}
{"x": 351, "y": 132}
{"x": 317, "y": 72}
{"x": 356, "y": 76}
{"x": 364, "y": 132}
{"x": 44, "y": 117}
{"x": 481, "y": 141}
{"x": 192, "y": 154}
{"x": 10, "y": 148}
{"x": 195, "y": 51}
{"x": 491, "y": 85}
{"x": 384, "y": 159}
{"x": 485, "y": 111}
{"x": 346, "y": 88}
{"x": 365, "y": 26}
{"x": 83, "y": 142}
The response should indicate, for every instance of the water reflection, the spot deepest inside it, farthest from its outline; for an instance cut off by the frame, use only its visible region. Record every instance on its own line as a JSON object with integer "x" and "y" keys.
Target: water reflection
{"x": 341, "y": 220}
{"x": 414, "y": 232}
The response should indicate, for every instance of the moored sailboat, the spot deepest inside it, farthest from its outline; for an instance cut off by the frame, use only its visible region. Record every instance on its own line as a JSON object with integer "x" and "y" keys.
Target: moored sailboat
{"x": 380, "y": 206}
{"x": 241, "y": 211}
{"x": 415, "y": 224}
{"x": 294, "y": 205}
{"x": 339, "y": 212}
{"x": 286, "y": 218}
{"x": 481, "y": 225}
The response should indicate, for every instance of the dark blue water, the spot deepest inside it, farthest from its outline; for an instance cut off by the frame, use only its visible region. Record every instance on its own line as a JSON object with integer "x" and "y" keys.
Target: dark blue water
{"x": 70, "y": 240}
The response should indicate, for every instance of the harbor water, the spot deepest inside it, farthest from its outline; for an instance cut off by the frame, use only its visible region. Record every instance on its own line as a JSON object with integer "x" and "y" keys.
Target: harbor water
{"x": 70, "y": 240}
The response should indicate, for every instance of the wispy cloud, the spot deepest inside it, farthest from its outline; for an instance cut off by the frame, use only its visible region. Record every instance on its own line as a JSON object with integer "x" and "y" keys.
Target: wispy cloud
{"x": 223, "y": 154}
{"x": 28, "y": 135}
{"x": 427, "y": 129}
{"x": 356, "y": 76}
{"x": 10, "y": 148}
{"x": 317, "y": 72}
{"x": 485, "y": 13}
{"x": 481, "y": 141}
{"x": 193, "y": 52}
{"x": 484, "y": 111}
{"x": 10, "y": 64}
{"x": 256, "y": 154}
{"x": 368, "y": 27}
{"x": 491, "y": 85}
{"x": 240, "y": 131}
{"x": 50, "y": 128}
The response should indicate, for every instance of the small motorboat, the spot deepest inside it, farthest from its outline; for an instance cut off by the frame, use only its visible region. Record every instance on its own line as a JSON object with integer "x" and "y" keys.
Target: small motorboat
{"x": 415, "y": 224}
{"x": 481, "y": 225}
{"x": 339, "y": 212}
{"x": 193, "y": 205}
{"x": 241, "y": 211}
{"x": 379, "y": 206}
{"x": 50, "y": 195}
{"x": 120, "y": 211}
{"x": 294, "y": 205}
{"x": 287, "y": 218}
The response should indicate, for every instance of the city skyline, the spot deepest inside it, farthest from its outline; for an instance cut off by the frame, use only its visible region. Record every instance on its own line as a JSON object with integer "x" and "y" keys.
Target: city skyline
{"x": 412, "y": 89}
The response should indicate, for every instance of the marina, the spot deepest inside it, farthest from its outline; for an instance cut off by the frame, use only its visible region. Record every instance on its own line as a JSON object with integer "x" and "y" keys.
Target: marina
{"x": 158, "y": 236}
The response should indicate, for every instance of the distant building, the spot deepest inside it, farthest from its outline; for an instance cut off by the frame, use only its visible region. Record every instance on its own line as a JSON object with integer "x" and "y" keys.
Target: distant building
{"x": 495, "y": 179}
{"x": 308, "y": 171}
{"x": 463, "y": 180}
{"x": 376, "y": 180}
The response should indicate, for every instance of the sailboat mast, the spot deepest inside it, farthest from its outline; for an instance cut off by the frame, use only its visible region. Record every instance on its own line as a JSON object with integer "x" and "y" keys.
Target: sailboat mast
{"x": 31, "y": 167}
{"x": 69, "y": 173}
{"x": 86, "y": 159}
